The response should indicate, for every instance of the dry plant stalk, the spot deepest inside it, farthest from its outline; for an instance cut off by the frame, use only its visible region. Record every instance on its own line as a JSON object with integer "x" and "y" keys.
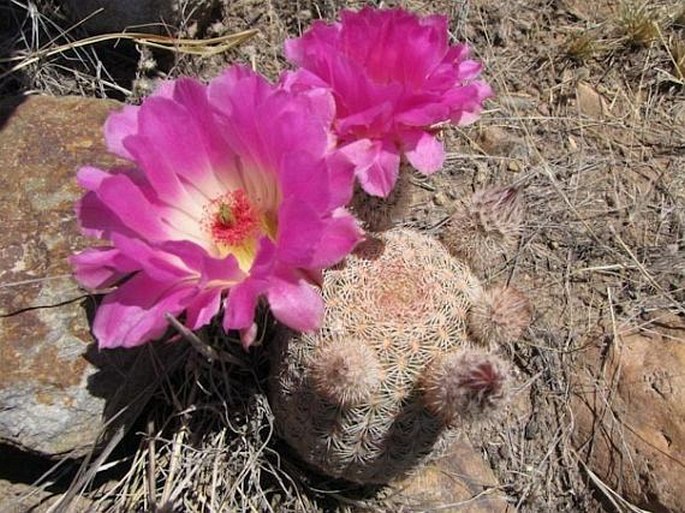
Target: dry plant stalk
{"x": 200, "y": 47}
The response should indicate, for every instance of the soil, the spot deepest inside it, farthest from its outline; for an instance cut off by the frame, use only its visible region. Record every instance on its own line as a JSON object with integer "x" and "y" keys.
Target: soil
{"x": 588, "y": 122}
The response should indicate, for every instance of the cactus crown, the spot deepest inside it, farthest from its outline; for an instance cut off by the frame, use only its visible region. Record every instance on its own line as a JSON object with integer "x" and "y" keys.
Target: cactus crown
{"x": 497, "y": 210}
{"x": 464, "y": 385}
{"x": 345, "y": 372}
{"x": 409, "y": 296}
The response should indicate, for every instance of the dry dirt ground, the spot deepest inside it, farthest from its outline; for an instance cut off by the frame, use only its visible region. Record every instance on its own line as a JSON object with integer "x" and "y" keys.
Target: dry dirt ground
{"x": 588, "y": 120}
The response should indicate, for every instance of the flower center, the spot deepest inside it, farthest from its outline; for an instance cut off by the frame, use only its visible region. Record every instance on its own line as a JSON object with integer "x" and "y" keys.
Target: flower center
{"x": 233, "y": 219}
{"x": 234, "y": 225}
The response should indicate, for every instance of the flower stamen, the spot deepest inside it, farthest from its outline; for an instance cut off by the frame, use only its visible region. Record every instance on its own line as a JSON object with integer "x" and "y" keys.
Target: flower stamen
{"x": 234, "y": 226}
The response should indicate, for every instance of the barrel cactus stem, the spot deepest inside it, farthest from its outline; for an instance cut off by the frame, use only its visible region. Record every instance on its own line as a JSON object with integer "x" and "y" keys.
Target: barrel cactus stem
{"x": 499, "y": 315}
{"x": 348, "y": 397}
{"x": 379, "y": 214}
{"x": 485, "y": 227}
{"x": 465, "y": 384}
{"x": 345, "y": 372}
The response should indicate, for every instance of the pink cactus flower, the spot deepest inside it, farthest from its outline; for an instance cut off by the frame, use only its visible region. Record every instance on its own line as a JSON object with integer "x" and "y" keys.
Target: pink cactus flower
{"x": 233, "y": 195}
{"x": 393, "y": 76}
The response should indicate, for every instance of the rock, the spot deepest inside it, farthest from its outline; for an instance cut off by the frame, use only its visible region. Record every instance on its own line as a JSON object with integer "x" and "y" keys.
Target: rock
{"x": 589, "y": 102}
{"x": 440, "y": 199}
{"x": 629, "y": 409}
{"x": 514, "y": 166}
{"x": 497, "y": 141}
{"x": 460, "y": 481}
{"x": 54, "y": 385}
{"x": 151, "y": 16}
{"x": 20, "y": 498}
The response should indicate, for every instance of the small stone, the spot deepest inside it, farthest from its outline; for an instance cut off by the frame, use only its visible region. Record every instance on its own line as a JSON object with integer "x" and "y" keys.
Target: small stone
{"x": 496, "y": 141}
{"x": 589, "y": 102}
{"x": 514, "y": 166}
{"x": 304, "y": 15}
{"x": 440, "y": 199}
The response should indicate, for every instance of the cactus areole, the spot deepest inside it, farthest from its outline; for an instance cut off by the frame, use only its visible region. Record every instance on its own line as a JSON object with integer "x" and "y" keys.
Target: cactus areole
{"x": 391, "y": 377}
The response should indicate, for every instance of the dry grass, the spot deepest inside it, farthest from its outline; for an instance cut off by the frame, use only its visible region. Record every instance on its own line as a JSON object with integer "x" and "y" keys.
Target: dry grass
{"x": 638, "y": 23}
{"x": 49, "y": 55}
{"x": 28, "y": 65}
{"x": 581, "y": 46}
{"x": 603, "y": 247}
{"x": 676, "y": 50}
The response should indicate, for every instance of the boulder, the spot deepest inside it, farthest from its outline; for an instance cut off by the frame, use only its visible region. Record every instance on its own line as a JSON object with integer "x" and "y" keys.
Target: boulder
{"x": 54, "y": 383}
{"x": 629, "y": 407}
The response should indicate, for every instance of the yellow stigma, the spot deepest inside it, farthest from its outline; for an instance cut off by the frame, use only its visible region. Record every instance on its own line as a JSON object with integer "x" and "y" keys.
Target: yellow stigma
{"x": 225, "y": 215}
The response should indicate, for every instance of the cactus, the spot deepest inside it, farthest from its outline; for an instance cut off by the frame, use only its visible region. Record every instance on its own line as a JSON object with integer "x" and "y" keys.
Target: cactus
{"x": 380, "y": 214}
{"x": 464, "y": 384}
{"x": 499, "y": 315}
{"x": 485, "y": 227}
{"x": 392, "y": 372}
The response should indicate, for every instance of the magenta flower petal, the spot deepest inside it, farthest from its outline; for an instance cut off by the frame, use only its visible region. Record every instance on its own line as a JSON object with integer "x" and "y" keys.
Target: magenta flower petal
{"x": 423, "y": 151}
{"x": 232, "y": 197}
{"x": 155, "y": 262}
{"x": 118, "y": 126}
{"x": 377, "y": 165}
{"x": 241, "y": 304}
{"x": 297, "y": 304}
{"x": 134, "y": 313}
{"x": 340, "y": 236}
{"x": 301, "y": 225}
{"x": 341, "y": 178}
{"x": 203, "y": 308}
{"x": 390, "y": 72}
{"x": 90, "y": 178}
{"x": 97, "y": 268}
{"x": 470, "y": 99}
{"x": 300, "y": 180}
{"x": 133, "y": 209}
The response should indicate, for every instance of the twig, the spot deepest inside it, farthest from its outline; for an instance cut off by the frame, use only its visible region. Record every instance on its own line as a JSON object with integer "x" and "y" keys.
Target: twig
{"x": 202, "y": 347}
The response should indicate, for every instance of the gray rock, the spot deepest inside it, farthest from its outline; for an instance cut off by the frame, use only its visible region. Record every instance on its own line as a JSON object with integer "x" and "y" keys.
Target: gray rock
{"x": 54, "y": 383}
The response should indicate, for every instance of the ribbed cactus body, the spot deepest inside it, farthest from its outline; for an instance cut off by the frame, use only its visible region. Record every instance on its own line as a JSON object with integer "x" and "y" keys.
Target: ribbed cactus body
{"x": 398, "y": 308}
